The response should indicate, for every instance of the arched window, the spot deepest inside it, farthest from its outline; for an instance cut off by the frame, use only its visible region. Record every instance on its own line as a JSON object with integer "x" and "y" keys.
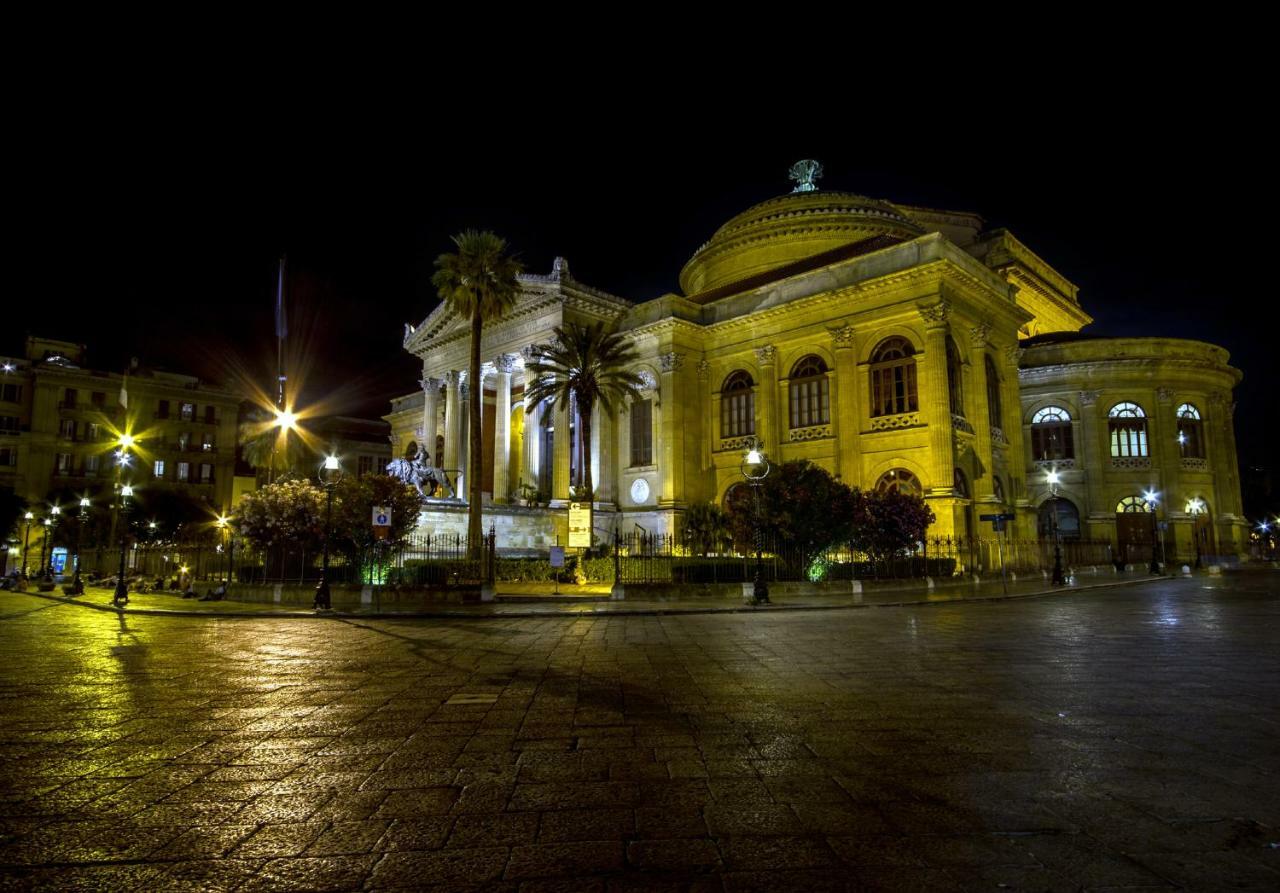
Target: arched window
{"x": 809, "y": 395}
{"x": 900, "y": 480}
{"x": 737, "y": 406}
{"x": 1128, "y": 424}
{"x": 1196, "y": 506}
{"x": 1051, "y": 435}
{"x": 955, "y": 383}
{"x": 1068, "y": 518}
{"x": 1132, "y": 504}
{"x": 994, "y": 413}
{"x": 1190, "y": 432}
{"x": 961, "y": 484}
{"x": 893, "y": 378}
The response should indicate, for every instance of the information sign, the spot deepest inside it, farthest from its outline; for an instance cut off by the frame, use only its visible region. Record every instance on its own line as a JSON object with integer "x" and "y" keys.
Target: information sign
{"x": 557, "y": 556}
{"x": 579, "y": 525}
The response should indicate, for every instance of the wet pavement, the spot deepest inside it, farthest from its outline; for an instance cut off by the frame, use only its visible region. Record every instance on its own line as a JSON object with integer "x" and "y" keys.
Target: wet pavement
{"x": 1116, "y": 738}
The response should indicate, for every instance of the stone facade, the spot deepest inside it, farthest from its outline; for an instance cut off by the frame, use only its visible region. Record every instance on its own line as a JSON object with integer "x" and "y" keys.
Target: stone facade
{"x": 895, "y": 346}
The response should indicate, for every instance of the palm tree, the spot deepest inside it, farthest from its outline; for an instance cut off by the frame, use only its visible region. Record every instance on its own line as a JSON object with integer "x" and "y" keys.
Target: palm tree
{"x": 262, "y": 447}
{"x": 706, "y": 528}
{"x": 477, "y": 283}
{"x": 583, "y": 366}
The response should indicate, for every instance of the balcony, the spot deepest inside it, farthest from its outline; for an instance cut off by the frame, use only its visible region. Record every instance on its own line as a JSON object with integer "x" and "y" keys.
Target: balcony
{"x": 1130, "y": 462}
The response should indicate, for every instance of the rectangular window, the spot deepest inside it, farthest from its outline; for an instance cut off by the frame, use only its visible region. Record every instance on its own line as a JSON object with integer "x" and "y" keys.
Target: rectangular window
{"x": 62, "y": 464}
{"x": 206, "y": 473}
{"x": 642, "y": 432}
{"x": 159, "y": 469}
{"x": 11, "y": 393}
{"x": 8, "y": 424}
{"x": 1052, "y": 441}
{"x": 206, "y": 442}
{"x": 184, "y": 440}
{"x": 69, "y": 397}
{"x": 162, "y": 409}
{"x": 92, "y": 463}
{"x": 99, "y": 399}
{"x": 1191, "y": 438}
{"x": 210, "y": 415}
{"x": 92, "y": 432}
{"x": 364, "y": 466}
{"x": 67, "y": 429}
{"x": 382, "y": 464}
{"x": 184, "y": 471}
{"x": 8, "y": 457}
{"x": 188, "y": 412}
{"x": 1129, "y": 439}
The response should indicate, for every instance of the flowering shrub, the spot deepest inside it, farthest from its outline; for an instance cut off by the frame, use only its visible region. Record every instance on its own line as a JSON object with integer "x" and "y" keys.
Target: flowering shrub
{"x": 289, "y": 513}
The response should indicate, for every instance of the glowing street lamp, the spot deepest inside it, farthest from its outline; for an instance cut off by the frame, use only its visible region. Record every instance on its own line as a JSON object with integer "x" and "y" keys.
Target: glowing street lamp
{"x": 330, "y": 475}
{"x": 286, "y": 420}
{"x": 26, "y": 540}
{"x": 121, "y": 596}
{"x": 1059, "y": 578}
{"x": 224, "y": 524}
{"x": 1153, "y": 500}
{"x": 77, "y": 587}
{"x": 755, "y": 468}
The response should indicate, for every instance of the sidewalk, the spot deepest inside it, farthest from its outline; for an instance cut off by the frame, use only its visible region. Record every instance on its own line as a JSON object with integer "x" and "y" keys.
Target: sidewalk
{"x": 596, "y": 604}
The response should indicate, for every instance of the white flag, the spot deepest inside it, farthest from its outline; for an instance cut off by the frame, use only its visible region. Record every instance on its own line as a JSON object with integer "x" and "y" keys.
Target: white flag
{"x": 124, "y": 391}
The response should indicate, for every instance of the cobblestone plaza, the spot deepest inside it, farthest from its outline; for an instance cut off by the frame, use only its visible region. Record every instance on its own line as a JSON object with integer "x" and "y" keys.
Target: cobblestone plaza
{"x": 1110, "y": 739}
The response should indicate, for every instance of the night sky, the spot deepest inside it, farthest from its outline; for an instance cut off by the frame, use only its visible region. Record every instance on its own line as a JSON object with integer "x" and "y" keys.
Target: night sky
{"x": 163, "y": 244}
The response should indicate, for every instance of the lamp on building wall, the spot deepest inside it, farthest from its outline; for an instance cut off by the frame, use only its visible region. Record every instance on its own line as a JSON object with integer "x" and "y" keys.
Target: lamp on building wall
{"x": 330, "y": 475}
{"x": 1059, "y": 578}
{"x": 755, "y": 468}
{"x": 1153, "y": 500}
{"x": 26, "y": 540}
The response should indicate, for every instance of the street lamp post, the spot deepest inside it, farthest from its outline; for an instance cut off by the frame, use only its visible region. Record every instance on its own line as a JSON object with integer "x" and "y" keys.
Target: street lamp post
{"x": 224, "y": 524}
{"x": 26, "y": 540}
{"x": 330, "y": 475}
{"x": 77, "y": 587}
{"x": 121, "y": 596}
{"x": 46, "y": 566}
{"x": 1153, "y": 499}
{"x": 1059, "y": 579}
{"x": 755, "y": 468}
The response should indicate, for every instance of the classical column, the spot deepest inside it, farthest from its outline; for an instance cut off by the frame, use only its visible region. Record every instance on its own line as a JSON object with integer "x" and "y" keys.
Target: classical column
{"x": 464, "y": 435}
{"x": 975, "y": 382}
{"x": 671, "y": 448}
{"x": 430, "y": 417}
{"x": 560, "y": 454}
{"x": 502, "y": 428}
{"x": 937, "y": 408}
{"x": 848, "y": 457}
{"x": 452, "y": 424}
{"x": 1089, "y": 459}
{"x": 767, "y": 410}
{"x": 530, "y": 462}
{"x": 1016, "y": 459}
{"x": 1162, "y": 440}
{"x": 708, "y": 420}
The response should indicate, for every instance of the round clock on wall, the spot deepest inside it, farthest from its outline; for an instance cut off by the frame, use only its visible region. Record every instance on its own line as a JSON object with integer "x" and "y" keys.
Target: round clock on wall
{"x": 640, "y": 491}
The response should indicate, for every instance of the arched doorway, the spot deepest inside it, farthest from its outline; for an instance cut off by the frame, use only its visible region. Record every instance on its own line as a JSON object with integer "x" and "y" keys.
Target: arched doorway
{"x": 1201, "y": 528}
{"x": 1134, "y": 528}
{"x": 1068, "y": 519}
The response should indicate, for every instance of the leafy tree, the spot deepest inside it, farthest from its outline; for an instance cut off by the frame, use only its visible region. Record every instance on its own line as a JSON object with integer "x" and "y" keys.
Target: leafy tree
{"x": 286, "y": 513}
{"x": 12, "y": 508}
{"x": 353, "y": 502}
{"x": 706, "y": 528}
{"x": 802, "y": 507}
{"x": 890, "y": 523}
{"x": 477, "y": 283}
{"x": 583, "y": 366}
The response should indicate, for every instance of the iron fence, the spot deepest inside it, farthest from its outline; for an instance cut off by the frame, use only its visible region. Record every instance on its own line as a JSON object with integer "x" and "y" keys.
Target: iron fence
{"x": 654, "y": 558}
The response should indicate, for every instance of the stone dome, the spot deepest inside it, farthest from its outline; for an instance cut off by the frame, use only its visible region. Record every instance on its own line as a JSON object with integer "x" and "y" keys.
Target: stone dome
{"x": 786, "y": 230}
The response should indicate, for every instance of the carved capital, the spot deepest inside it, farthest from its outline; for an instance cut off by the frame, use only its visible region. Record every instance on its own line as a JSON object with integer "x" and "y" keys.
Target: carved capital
{"x": 529, "y": 352}
{"x": 1015, "y": 354}
{"x": 704, "y": 370}
{"x": 978, "y": 334}
{"x": 452, "y": 378}
{"x": 430, "y": 384}
{"x": 671, "y": 361}
{"x": 505, "y": 363}
{"x": 767, "y": 355}
{"x": 1164, "y": 395}
{"x": 843, "y": 336}
{"x": 1089, "y": 398}
{"x": 647, "y": 382}
{"x": 935, "y": 315}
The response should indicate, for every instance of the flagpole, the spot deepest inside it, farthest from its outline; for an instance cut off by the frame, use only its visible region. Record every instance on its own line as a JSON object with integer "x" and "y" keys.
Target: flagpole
{"x": 281, "y": 331}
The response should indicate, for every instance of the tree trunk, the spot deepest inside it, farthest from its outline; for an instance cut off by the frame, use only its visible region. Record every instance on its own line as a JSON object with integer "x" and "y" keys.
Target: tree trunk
{"x": 584, "y": 426}
{"x": 475, "y": 474}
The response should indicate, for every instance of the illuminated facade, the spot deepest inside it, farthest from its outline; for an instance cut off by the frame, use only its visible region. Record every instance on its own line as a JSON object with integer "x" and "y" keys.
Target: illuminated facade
{"x": 895, "y": 346}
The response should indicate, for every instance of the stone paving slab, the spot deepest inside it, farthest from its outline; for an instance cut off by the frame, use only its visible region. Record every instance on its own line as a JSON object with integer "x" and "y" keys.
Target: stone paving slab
{"x": 1118, "y": 739}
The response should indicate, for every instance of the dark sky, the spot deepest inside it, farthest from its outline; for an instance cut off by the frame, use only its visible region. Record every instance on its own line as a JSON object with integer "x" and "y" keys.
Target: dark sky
{"x": 161, "y": 242}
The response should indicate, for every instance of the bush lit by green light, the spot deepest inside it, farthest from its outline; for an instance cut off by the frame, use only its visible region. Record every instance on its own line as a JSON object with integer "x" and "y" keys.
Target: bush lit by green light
{"x": 819, "y": 569}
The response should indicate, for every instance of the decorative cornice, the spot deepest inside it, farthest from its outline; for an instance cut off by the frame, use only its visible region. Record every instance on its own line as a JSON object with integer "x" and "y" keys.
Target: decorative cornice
{"x": 671, "y": 361}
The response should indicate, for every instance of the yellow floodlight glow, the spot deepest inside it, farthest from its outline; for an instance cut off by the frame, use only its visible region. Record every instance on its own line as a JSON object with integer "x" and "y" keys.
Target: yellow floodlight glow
{"x": 286, "y": 419}
{"x": 127, "y": 440}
